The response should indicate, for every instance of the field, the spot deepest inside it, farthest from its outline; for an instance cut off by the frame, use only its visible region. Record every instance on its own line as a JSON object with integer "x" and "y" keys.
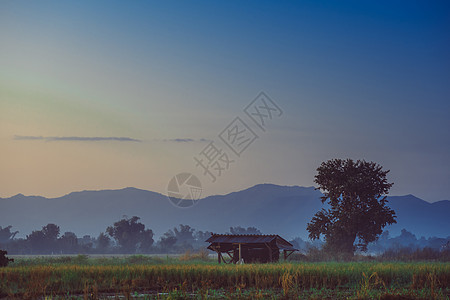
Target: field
{"x": 145, "y": 277}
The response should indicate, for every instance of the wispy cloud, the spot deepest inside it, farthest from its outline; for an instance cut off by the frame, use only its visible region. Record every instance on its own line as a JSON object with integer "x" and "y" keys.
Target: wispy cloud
{"x": 102, "y": 138}
{"x": 184, "y": 140}
{"x": 76, "y": 138}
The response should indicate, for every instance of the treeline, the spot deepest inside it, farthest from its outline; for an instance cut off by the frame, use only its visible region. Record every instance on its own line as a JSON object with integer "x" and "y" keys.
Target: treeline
{"x": 405, "y": 247}
{"x": 130, "y": 236}
{"x": 126, "y": 236}
{"x": 405, "y": 242}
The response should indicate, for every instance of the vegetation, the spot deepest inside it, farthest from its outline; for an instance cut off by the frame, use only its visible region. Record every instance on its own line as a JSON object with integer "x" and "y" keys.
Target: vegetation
{"x": 184, "y": 238}
{"x": 355, "y": 192}
{"x": 126, "y": 236}
{"x": 6, "y": 235}
{"x": 131, "y": 235}
{"x": 4, "y": 260}
{"x": 314, "y": 254}
{"x": 180, "y": 278}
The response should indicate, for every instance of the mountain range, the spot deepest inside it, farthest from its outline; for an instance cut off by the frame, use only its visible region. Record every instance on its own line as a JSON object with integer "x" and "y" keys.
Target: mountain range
{"x": 274, "y": 209}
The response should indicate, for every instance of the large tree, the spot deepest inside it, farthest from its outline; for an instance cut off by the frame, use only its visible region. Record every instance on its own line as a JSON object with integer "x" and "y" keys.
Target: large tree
{"x": 131, "y": 235}
{"x": 357, "y": 207}
{"x": 45, "y": 240}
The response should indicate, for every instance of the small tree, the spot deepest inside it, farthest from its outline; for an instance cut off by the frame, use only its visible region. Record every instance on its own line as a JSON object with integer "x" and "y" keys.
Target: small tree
{"x": 103, "y": 242}
{"x": 355, "y": 192}
{"x": 168, "y": 241}
{"x": 178, "y": 239}
{"x": 68, "y": 242}
{"x": 4, "y": 261}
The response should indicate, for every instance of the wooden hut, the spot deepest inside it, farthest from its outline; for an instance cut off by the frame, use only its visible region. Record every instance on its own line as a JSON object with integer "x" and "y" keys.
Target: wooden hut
{"x": 249, "y": 248}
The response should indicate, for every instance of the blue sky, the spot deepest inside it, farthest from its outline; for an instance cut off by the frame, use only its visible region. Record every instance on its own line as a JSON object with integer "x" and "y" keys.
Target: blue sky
{"x": 355, "y": 79}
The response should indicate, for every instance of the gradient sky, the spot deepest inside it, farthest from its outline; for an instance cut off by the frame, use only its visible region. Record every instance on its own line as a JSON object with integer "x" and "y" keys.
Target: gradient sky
{"x": 358, "y": 79}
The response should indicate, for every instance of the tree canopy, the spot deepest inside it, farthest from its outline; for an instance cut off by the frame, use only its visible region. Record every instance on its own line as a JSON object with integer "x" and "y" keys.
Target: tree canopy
{"x": 243, "y": 230}
{"x": 131, "y": 235}
{"x": 6, "y": 235}
{"x": 357, "y": 206}
{"x": 44, "y": 240}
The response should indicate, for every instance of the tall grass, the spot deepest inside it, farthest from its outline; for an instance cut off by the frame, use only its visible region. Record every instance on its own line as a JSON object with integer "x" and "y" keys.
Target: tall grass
{"x": 288, "y": 278}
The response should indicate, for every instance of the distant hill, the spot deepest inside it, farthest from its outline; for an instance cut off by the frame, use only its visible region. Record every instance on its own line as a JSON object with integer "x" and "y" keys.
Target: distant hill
{"x": 284, "y": 210}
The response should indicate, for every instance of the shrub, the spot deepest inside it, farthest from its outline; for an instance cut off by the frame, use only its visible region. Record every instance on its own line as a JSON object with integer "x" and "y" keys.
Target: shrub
{"x": 202, "y": 254}
{"x": 408, "y": 254}
{"x": 4, "y": 261}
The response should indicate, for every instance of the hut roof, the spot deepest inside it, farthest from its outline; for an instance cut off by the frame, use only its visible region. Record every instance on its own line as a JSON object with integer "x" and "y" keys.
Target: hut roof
{"x": 251, "y": 239}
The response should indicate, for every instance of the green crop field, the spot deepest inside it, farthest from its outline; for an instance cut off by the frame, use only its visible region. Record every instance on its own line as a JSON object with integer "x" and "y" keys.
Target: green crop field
{"x": 145, "y": 277}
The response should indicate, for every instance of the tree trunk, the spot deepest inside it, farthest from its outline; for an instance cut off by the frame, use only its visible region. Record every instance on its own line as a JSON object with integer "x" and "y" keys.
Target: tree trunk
{"x": 341, "y": 245}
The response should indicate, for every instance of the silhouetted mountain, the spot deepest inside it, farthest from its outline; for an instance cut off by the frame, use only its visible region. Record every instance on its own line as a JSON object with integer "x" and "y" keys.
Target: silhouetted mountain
{"x": 420, "y": 217}
{"x": 284, "y": 210}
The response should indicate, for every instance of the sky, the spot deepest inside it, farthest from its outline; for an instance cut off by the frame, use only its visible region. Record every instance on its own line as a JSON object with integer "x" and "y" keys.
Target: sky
{"x": 112, "y": 94}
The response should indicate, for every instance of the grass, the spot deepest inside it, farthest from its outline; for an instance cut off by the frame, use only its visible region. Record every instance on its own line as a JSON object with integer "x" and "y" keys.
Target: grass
{"x": 189, "y": 277}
